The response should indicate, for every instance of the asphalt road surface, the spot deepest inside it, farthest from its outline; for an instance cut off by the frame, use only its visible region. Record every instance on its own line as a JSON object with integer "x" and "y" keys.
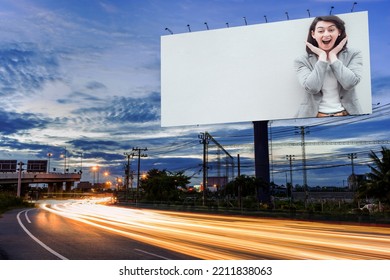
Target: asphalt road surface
{"x": 37, "y": 234}
{"x": 88, "y": 230}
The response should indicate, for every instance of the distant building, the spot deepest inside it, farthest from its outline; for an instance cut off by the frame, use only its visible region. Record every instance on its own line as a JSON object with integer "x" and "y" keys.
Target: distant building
{"x": 355, "y": 180}
{"x": 215, "y": 183}
{"x": 84, "y": 186}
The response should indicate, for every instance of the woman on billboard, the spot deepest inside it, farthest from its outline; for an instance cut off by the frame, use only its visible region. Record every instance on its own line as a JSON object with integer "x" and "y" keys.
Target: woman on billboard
{"x": 329, "y": 71}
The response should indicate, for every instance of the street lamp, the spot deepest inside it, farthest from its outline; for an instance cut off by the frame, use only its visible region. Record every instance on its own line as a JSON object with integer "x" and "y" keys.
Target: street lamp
{"x": 107, "y": 182}
{"x": 49, "y": 155}
{"x": 81, "y": 154}
{"x": 118, "y": 182}
{"x": 19, "y": 187}
{"x": 64, "y": 155}
{"x": 95, "y": 170}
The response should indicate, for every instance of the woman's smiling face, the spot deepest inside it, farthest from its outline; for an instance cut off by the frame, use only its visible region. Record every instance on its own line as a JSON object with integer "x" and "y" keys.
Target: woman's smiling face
{"x": 325, "y": 34}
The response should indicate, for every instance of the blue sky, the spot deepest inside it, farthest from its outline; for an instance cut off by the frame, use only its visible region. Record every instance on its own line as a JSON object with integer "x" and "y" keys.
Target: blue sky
{"x": 85, "y": 76}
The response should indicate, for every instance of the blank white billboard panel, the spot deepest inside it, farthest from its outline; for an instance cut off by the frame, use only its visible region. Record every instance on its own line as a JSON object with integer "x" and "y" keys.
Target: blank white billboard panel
{"x": 245, "y": 73}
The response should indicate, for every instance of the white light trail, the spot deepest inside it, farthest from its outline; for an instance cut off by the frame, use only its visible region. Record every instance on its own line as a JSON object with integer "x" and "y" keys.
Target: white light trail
{"x": 226, "y": 237}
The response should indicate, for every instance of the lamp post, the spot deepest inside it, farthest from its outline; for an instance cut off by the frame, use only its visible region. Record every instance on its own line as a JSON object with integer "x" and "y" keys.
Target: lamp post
{"x": 97, "y": 173}
{"x": 81, "y": 160}
{"x": 118, "y": 183}
{"x": 49, "y": 155}
{"x": 107, "y": 181}
{"x": 64, "y": 155}
{"x": 95, "y": 170}
{"x": 19, "y": 188}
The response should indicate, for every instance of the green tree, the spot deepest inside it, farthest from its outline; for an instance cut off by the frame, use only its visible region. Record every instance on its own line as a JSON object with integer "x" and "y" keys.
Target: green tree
{"x": 378, "y": 180}
{"x": 243, "y": 185}
{"x": 163, "y": 185}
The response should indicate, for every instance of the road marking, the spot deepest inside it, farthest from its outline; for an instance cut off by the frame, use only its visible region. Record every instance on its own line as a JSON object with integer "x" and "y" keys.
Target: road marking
{"x": 58, "y": 255}
{"x": 142, "y": 251}
{"x": 27, "y": 218}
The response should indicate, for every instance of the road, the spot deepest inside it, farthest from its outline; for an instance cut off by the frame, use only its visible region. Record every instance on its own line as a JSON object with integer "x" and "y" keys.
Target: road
{"x": 84, "y": 229}
{"x": 38, "y": 234}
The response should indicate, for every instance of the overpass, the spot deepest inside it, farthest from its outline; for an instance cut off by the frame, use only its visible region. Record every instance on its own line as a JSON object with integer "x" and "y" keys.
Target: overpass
{"x": 55, "y": 181}
{"x": 37, "y": 172}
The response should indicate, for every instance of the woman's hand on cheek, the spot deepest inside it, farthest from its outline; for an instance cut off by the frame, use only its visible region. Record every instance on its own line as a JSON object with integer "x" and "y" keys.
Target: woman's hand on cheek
{"x": 333, "y": 53}
{"x": 319, "y": 52}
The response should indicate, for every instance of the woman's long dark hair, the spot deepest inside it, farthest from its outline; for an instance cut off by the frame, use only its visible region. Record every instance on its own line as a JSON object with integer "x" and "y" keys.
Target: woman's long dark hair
{"x": 340, "y": 24}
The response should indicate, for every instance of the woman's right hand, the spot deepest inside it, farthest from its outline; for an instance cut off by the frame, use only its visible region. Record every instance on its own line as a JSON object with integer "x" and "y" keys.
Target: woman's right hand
{"x": 322, "y": 55}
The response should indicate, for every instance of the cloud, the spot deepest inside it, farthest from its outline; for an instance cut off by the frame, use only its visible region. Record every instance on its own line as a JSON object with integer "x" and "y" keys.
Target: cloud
{"x": 13, "y": 147}
{"x": 12, "y": 123}
{"x": 108, "y": 7}
{"x": 122, "y": 110}
{"x": 95, "y": 85}
{"x": 88, "y": 144}
{"x": 24, "y": 67}
{"x": 381, "y": 89}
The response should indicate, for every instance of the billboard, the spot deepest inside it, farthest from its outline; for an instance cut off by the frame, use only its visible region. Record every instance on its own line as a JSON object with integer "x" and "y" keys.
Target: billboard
{"x": 37, "y": 166}
{"x": 8, "y": 165}
{"x": 248, "y": 73}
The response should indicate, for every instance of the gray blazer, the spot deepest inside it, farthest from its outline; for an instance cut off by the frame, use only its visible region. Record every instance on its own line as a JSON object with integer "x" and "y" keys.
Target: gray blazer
{"x": 347, "y": 69}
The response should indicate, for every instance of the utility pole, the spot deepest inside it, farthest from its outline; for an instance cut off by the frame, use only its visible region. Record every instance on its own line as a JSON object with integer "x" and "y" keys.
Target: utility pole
{"x": 205, "y": 140}
{"x": 139, "y": 155}
{"x": 127, "y": 172}
{"x": 303, "y": 145}
{"x": 353, "y": 180}
{"x": 290, "y": 158}
{"x": 238, "y": 165}
{"x": 352, "y": 156}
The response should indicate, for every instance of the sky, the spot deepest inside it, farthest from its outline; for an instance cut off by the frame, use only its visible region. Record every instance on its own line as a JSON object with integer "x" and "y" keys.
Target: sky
{"x": 82, "y": 79}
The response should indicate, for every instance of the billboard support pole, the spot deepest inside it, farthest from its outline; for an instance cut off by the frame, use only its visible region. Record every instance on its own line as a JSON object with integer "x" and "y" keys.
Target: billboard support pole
{"x": 262, "y": 169}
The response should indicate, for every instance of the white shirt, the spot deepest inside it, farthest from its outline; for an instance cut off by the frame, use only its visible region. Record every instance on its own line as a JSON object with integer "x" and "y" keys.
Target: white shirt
{"x": 330, "y": 102}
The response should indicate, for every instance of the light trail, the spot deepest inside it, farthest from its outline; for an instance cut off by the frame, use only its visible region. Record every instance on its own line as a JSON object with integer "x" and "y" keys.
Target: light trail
{"x": 225, "y": 237}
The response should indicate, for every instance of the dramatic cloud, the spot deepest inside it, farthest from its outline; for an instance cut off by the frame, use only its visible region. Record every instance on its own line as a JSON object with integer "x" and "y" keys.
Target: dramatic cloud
{"x": 24, "y": 67}
{"x": 12, "y": 123}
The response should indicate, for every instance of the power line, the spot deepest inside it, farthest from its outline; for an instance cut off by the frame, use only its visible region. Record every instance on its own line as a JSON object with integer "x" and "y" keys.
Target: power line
{"x": 349, "y": 142}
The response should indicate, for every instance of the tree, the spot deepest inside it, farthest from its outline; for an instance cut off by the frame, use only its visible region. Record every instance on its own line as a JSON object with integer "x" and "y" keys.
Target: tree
{"x": 378, "y": 180}
{"x": 163, "y": 185}
{"x": 245, "y": 186}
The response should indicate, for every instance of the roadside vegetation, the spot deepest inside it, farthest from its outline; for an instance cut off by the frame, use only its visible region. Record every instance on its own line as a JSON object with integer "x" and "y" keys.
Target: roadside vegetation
{"x": 10, "y": 201}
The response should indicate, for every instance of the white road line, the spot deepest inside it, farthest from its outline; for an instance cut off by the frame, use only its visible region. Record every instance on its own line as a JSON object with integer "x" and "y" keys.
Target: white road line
{"x": 27, "y": 218}
{"x": 37, "y": 240}
{"x": 142, "y": 251}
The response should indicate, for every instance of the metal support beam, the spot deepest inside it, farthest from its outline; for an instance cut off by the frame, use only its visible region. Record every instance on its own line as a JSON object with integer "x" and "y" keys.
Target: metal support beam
{"x": 262, "y": 158}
